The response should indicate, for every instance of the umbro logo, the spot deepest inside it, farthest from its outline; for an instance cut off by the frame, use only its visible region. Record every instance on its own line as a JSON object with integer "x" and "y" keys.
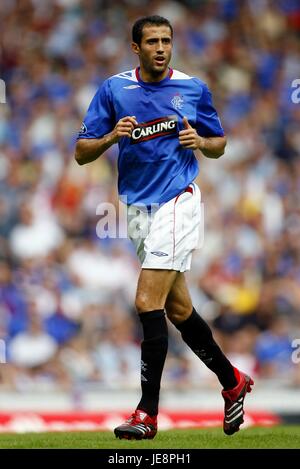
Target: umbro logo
{"x": 159, "y": 253}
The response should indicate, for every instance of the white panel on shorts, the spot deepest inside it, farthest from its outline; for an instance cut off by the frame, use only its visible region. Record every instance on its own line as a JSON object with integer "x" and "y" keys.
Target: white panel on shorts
{"x": 166, "y": 237}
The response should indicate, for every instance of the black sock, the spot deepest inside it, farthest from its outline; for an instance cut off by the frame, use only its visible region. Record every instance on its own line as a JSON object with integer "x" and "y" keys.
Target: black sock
{"x": 154, "y": 350}
{"x": 198, "y": 336}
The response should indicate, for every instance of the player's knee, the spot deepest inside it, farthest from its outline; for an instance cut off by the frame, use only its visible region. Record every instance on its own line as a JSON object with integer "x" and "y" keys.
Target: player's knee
{"x": 178, "y": 313}
{"x": 144, "y": 303}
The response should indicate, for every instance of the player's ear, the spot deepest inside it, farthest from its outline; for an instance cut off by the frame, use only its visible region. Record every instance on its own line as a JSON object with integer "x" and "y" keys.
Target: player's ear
{"x": 135, "y": 47}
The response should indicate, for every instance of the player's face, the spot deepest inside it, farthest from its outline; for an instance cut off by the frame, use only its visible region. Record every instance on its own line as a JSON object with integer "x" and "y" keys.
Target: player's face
{"x": 155, "y": 50}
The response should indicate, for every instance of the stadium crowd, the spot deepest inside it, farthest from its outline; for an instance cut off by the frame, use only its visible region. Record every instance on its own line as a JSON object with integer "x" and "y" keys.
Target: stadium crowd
{"x": 66, "y": 296}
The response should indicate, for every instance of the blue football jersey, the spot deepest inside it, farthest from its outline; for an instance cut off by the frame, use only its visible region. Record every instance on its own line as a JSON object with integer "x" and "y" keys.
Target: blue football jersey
{"x": 153, "y": 167}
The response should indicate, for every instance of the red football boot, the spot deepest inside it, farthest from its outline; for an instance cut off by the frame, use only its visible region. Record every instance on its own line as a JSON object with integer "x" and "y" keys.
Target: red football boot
{"x": 234, "y": 402}
{"x": 140, "y": 426}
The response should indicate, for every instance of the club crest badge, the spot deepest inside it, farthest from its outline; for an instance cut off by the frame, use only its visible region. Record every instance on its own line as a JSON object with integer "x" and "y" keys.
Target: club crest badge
{"x": 177, "y": 101}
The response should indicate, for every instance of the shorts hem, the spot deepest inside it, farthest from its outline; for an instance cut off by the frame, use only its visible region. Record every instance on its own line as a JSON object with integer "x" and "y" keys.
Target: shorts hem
{"x": 165, "y": 267}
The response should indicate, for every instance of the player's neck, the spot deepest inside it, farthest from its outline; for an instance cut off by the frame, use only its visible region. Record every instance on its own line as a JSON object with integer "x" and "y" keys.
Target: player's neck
{"x": 149, "y": 77}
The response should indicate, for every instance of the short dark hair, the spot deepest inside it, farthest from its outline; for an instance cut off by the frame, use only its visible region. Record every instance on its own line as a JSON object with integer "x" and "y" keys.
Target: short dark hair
{"x": 137, "y": 29}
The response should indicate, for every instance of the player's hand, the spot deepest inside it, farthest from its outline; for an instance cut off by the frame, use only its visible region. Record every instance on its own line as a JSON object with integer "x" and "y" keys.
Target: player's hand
{"x": 189, "y": 138}
{"x": 123, "y": 128}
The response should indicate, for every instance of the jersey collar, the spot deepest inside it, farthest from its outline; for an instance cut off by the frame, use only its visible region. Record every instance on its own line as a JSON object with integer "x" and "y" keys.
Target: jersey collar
{"x": 152, "y": 83}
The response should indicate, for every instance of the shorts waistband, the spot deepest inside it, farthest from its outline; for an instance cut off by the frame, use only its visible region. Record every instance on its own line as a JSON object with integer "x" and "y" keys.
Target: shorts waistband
{"x": 187, "y": 189}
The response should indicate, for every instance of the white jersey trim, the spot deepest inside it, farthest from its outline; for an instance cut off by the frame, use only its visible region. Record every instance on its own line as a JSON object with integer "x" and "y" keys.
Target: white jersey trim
{"x": 128, "y": 75}
{"x": 177, "y": 75}
{"x": 131, "y": 75}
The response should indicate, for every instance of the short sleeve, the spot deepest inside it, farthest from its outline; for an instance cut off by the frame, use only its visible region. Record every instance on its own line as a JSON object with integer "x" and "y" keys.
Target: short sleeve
{"x": 100, "y": 117}
{"x": 208, "y": 123}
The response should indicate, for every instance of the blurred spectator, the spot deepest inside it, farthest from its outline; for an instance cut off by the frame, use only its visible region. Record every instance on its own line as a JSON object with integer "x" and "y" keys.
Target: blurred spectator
{"x": 33, "y": 347}
{"x": 33, "y": 357}
{"x": 33, "y": 237}
{"x": 273, "y": 350}
{"x": 116, "y": 356}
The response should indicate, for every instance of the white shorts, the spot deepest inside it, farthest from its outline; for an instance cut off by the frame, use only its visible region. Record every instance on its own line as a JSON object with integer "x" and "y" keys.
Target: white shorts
{"x": 166, "y": 237}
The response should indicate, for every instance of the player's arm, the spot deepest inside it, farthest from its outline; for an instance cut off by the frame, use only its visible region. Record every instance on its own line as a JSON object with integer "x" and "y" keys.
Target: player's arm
{"x": 89, "y": 149}
{"x": 211, "y": 147}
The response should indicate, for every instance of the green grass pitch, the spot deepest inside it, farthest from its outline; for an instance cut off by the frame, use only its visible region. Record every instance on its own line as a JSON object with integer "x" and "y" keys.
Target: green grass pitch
{"x": 255, "y": 437}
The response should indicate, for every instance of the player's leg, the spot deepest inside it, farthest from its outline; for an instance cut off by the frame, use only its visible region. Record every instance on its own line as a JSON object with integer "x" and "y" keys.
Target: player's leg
{"x": 196, "y": 332}
{"x": 153, "y": 288}
{"x": 198, "y": 336}
{"x": 152, "y": 291}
